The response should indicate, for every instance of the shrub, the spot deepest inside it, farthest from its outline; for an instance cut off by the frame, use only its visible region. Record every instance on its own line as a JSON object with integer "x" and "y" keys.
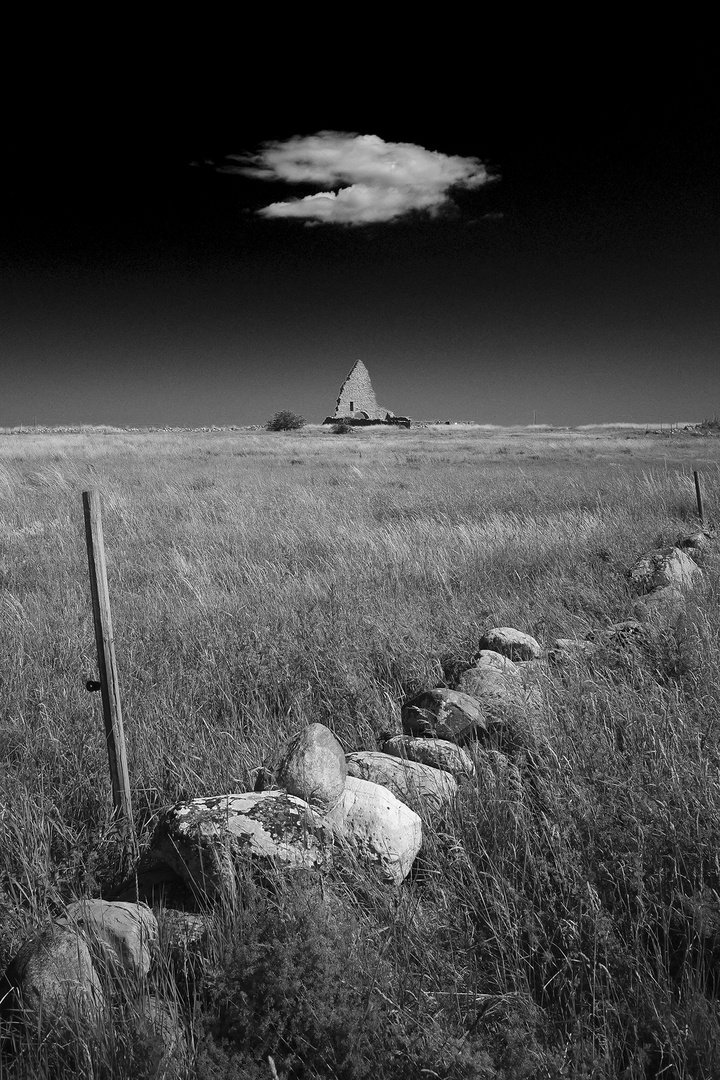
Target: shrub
{"x": 342, "y": 428}
{"x": 285, "y": 421}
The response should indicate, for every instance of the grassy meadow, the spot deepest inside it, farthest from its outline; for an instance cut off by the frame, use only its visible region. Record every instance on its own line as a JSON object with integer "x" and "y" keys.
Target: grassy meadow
{"x": 260, "y": 581}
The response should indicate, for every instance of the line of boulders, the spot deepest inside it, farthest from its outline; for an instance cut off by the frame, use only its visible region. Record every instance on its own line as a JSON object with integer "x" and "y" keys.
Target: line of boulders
{"x": 320, "y": 804}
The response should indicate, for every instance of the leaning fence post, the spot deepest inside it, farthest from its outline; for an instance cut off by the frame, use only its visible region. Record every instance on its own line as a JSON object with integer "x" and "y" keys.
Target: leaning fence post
{"x": 698, "y": 496}
{"x": 109, "y": 684}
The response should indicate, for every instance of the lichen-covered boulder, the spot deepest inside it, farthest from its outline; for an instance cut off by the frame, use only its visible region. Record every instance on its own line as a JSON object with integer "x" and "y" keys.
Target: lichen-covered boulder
{"x": 378, "y": 827}
{"x": 313, "y": 767}
{"x": 52, "y": 978}
{"x": 411, "y": 781}
{"x": 124, "y": 935}
{"x": 511, "y": 643}
{"x": 207, "y": 839}
{"x": 438, "y": 753}
{"x": 666, "y": 566}
{"x": 444, "y": 714}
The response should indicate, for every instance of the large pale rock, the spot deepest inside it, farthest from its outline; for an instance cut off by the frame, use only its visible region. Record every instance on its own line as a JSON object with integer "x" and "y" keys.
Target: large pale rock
{"x": 666, "y": 566}
{"x": 206, "y": 839}
{"x": 444, "y": 714}
{"x": 378, "y": 827}
{"x": 438, "y": 753}
{"x": 52, "y": 978}
{"x": 511, "y": 642}
{"x": 314, "y": 767}
{"x": 411, "y": 781}
{"x": 124, "y": 935}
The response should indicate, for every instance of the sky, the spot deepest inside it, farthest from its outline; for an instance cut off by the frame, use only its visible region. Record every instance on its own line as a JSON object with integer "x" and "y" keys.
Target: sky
{"x": 210, "y": 250}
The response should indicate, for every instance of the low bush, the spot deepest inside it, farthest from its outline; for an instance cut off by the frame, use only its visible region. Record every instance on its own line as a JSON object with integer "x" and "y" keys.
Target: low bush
{"x": 285, "y": 421}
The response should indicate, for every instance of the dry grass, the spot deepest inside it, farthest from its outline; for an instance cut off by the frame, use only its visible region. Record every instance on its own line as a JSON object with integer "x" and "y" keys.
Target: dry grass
{"x": 262, "y": 580}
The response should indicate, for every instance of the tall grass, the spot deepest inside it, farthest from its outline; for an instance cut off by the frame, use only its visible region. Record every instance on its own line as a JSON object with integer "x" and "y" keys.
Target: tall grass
{"x": 259, "y": 581}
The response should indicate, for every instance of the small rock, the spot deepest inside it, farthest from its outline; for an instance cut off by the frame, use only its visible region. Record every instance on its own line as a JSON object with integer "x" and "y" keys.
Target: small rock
{"x": 205, "y": 839}
{"x": 409, "y": 780}
{"x": 314, "y": 768}
{"x": 510, "y": 642}
{"x": 488, "y": 658}
{"x": 439, "y": 753}
{"x": 696, "y": 544}
{"x": 126, "y": 934}
{"x": 667, "y": 566}
{"x": 52, "y": 978}
{"x": 572, "y": 650}
{"x": 444, "y": 714}
{"x": 378, "y": 827}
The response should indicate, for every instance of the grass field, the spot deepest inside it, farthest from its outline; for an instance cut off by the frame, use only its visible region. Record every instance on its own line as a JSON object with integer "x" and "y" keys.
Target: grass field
{"x": 263, "y": 580}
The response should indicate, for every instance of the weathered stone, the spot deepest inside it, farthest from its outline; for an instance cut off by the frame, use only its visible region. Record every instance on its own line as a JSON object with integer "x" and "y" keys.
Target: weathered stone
{"x": 696, "y": 544}
{"x": 206, "y": 839}
{"x": 165, "y": 1040}
{"x": 488, "y": 658}
{"x": 511, "y": 642}
{"x": 665, "y": 600}
{"x": 667, "y": 566}
{"x": 314, "y": 767}
{"x": 125, "y": 934}
{"x": 573, "y": 650}
{"x": 356, "y": 397}
{"x": 52, "y": 979}
{"x": 438, "y": 753}
{"x": 493, "y": 687}
{"x": 444, "y": 714}
{"x": 380, "y": 829}
{"x": 411, "y": 781}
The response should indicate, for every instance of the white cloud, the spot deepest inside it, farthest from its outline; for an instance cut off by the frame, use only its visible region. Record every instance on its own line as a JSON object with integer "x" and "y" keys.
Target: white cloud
{"x": 373, "y": 180}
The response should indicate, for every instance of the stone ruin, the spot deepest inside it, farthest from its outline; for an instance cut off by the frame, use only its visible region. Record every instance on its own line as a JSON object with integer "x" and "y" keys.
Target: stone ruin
{"x": 356, "y": 403}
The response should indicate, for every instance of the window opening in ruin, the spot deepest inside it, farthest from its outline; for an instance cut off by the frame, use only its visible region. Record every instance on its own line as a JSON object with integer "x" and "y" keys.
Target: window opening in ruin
{"x": 352, "y": 406}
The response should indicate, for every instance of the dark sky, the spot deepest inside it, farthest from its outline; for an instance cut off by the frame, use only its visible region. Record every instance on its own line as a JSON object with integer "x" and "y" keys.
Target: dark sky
{"x": 582, "y": 286}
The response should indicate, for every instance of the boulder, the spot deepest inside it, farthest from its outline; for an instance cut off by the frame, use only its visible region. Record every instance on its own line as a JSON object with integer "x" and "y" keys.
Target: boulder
{"x": 207, "y": 839}
{"x": 314, "y": 768}
{"x": 380, "y": 829}
{"x": 666, "y": 566}
{"x": 411, "y": 781}
{"x": 510, "y": 642}
{"x": 52, "y": 979}
{"x": 444, "y": 714}
{"x": 438, "y": 753}
{"x": 665, "y": 600}
{"x": 123, "y": 935}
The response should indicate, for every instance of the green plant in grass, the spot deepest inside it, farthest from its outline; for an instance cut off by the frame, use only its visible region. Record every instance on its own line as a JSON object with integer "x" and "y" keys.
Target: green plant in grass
{"x": 285, "y": 421}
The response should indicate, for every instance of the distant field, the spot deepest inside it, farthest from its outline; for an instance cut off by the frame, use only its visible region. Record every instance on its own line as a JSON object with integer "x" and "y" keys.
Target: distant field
{"x": 260, "y": 581}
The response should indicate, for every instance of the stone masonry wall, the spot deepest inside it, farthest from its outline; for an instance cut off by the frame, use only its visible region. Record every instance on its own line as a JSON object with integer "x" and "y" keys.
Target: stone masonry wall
{"x": 357, "y": 395}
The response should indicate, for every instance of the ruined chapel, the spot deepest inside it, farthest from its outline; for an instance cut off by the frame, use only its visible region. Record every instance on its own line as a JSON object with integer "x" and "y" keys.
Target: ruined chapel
{"x": 357, "y": 403}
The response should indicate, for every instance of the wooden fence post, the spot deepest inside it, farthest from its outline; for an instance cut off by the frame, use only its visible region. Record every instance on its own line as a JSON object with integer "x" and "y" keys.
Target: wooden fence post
{"x": 698, "y": 496}
{"x": 109, "y": 685}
